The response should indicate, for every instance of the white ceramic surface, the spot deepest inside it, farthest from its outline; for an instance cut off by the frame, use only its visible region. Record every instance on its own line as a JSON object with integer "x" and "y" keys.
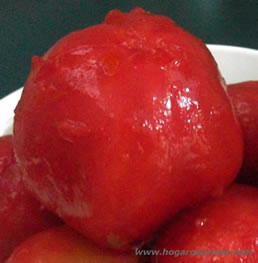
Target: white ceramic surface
{"x": 235, "y": 63}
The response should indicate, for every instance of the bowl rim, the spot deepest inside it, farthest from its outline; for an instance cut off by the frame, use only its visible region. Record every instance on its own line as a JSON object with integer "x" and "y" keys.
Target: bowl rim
{"x": 231, "y": 48}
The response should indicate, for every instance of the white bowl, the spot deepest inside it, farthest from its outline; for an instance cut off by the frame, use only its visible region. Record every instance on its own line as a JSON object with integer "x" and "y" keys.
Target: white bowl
{"x": 235, "y": 63}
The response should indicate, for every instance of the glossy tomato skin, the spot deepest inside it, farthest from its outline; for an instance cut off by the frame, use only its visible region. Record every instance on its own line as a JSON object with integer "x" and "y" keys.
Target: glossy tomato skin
{"x": 122, "y": 124}
{"x": 244, "y": 97}
{"x": 20, "y": 214}
{"x": 227, "y": 224}
{"x": 64, "y": 245}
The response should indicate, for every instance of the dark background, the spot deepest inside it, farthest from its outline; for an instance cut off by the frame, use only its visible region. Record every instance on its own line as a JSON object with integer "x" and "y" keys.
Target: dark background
{"x": 30, "y": 27}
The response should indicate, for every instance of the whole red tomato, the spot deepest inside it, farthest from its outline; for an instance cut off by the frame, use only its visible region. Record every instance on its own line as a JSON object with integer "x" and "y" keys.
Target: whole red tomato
{"x": 244, "y": 97}
{"x": 222, "y": 230}
{"x": 122, "y": 124}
